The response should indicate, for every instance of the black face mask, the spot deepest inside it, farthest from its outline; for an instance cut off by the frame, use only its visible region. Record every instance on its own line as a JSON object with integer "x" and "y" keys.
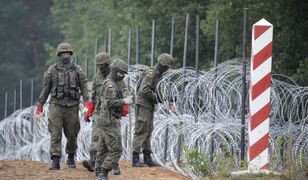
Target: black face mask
{"x": 162, "y": 69}
{"x": 120, "y": 78}
{"x": 105, "y": 70}
{"x": 114, "y": 76}
{"x": 64, "y": 60}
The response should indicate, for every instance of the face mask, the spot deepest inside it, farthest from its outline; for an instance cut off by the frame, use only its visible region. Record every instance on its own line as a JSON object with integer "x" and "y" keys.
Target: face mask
{"x": 120, "y": 78}
{"x": 64, "y": 59}
{"x": 105, "y": 70}
{"x": 162, "y": 69}
{"x": 115, "y": 76}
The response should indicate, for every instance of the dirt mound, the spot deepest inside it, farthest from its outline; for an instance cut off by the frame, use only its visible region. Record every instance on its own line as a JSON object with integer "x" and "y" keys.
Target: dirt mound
{"x": 32, "y": 170}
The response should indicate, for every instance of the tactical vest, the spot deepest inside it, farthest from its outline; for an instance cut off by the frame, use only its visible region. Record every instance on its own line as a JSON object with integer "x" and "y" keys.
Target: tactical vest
{"x": 66, "y": 83}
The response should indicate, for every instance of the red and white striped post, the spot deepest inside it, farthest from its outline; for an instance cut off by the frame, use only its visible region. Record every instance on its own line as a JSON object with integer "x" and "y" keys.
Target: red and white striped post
{"x": 260, "y": 86}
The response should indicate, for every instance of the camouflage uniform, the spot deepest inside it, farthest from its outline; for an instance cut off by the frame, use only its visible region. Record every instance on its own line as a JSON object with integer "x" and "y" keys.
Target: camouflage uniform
{"x": 65, "y": 83}
{"x": 111, "y": 105}
{"x": 145, "y": 106}
{"x": 99, "y": 78}
{"x": 102, "y": 58}
{"x": 97, "y": 82}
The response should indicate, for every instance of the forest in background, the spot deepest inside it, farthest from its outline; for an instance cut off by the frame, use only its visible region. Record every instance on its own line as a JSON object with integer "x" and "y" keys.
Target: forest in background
{"x": 31, "y": 30}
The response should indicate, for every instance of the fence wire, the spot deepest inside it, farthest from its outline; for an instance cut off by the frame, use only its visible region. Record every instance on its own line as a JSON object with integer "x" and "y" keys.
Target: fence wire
{"x": 208, "y": 113}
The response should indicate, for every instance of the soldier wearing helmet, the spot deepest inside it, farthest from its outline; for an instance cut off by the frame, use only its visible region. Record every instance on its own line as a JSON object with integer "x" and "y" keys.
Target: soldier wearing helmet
{"x": 65, "y": 82}
{"x": 145, "y": 106}
{"x": 103, "y": 62}
{"x": 109, "y": 148}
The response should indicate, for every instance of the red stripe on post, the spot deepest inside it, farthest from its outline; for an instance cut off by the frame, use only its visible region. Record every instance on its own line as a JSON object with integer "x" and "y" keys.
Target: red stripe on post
{"x": 259, "y": 30}
{"x": 258, "y": 147}
{"x": 261, "y": 86}
{"x": 259, "y": 116}
{"x": 266, "y": 166}
{"x": 262, "y": 56}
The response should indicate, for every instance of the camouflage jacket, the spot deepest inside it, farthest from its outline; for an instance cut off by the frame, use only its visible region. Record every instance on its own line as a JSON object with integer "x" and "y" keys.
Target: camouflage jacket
{"x": 96, "y": 87}
{"x": 98, "y": 80}
{"x": 111, "y": 102}
{"x": 146, "y": 90}
{"x": 65, "y": 84}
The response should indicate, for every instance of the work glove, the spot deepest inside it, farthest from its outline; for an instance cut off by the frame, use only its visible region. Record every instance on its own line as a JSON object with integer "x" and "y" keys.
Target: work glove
{"x": 39, "y": 111}
{"x": 89, "y": 106}
{"x": 129, "y": 100}
{"x": 125, "y": 110}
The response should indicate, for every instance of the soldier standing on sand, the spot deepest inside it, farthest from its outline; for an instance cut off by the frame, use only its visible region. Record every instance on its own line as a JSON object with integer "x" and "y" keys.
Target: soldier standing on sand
{"x": 145, "y": 106}
{"x": 111, "y": 97}
{"x": 65, "y": 82}
{"x": 103, "y": 62}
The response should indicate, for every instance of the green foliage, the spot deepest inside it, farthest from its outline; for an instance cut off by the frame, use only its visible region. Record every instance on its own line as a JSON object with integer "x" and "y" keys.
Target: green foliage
{"x": 290, "y": 22}
{"x": 25, "y": 27}
{"x": 30, "y": 31}
{"x": 199, "y": 161}
{"x": 89, "y": 20}
{"x": 243, "y": 164}
{"x": 222, "y": 163}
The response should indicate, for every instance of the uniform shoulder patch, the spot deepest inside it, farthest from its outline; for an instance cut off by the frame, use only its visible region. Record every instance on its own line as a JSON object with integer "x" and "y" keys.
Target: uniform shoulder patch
{"x": 50, "y": 69}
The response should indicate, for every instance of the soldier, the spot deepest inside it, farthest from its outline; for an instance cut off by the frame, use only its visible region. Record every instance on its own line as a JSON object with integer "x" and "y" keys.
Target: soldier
{"x": 65, "y": 82}
{"x": 110, "y": 146}
{"x": 102, "y": 61}
{"x": 145, "y": 106}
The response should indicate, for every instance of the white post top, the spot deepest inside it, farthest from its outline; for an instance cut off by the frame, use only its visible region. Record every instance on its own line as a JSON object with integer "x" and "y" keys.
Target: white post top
{"x": 263, "y": 22}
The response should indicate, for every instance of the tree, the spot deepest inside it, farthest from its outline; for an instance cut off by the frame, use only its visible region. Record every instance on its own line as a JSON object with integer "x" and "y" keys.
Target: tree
{"x": 25, "y": 27}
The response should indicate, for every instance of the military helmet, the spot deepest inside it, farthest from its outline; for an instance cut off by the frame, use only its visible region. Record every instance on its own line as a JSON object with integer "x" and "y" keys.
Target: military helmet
{"x": 102, "y": 58}
{"x": 165, "y": 59}
{"x": 119, "y": 65}
{"x": 64, "y": 47}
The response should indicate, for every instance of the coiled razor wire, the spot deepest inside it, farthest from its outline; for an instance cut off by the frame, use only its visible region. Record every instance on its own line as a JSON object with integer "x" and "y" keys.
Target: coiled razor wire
{"x": 207, "y": 117}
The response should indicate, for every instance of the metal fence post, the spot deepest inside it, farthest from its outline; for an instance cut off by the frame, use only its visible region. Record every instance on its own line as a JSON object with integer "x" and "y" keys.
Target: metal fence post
{"x": 137, "y": 46}
{"x": 14, "y": 100}
{"x": 215, "y": 65}
{"x": 95, "y": 52}
{"x": 178, "y": 154}
{"x": 5, "y": 105}
{"x": 20, "y": 94}
{"x": 128, "y": 85}
{"x": 243, "y": 85}
{"x": 109, "y": 42}
{"x": 153, "y": 44}
{"x": 172, "y": 35}
{"x": 32, "y": 89}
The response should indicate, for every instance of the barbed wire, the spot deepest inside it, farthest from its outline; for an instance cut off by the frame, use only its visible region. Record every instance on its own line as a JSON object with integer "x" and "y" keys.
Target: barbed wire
{"x": 207, "y": 117}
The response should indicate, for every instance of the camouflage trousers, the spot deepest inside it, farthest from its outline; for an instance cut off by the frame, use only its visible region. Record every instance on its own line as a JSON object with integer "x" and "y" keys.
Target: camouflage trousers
{"x": 66, "y": 118}
{"x": 143, "y": 129}
{"x": 109, "y": 149}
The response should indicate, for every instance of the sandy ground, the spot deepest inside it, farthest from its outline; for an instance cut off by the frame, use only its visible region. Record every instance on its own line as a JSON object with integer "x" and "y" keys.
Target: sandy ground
{"x": 32, "y": 170}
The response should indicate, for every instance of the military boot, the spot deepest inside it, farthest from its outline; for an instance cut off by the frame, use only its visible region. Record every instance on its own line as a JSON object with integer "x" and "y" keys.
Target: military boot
{"x": 136, "y": 160}
{"x": 116, "y": 169}
{"x": 147, "y": 158}
{"x": 71, "y": 160}
{"x": 89, "y": 164}
{"x": 55, "y": 165}
{"x": 103, "y": 175}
